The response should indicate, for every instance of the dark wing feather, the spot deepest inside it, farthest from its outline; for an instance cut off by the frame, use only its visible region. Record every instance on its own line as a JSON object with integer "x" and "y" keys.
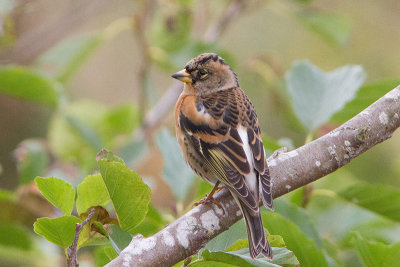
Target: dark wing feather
{"x": 238, "y": 108}
{"x": 226, "y": 165}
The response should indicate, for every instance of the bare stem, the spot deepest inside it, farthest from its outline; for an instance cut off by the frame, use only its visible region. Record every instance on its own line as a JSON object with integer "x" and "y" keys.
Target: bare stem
{"x": 72, "y": 250}
{"x": 141, "y": 20}
{"x": 230, "y": 14}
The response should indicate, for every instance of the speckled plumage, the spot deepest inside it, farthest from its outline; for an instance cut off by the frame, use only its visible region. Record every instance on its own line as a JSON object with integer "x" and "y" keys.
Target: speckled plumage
{"x": 218, "y": 132}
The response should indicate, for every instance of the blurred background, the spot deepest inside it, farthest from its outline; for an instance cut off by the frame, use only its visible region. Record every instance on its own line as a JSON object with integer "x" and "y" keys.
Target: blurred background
{"x": 78, "y": 76}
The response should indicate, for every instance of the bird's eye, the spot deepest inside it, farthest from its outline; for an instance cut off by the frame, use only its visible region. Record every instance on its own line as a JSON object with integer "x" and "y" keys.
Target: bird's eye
{"x": 203, "y": 73}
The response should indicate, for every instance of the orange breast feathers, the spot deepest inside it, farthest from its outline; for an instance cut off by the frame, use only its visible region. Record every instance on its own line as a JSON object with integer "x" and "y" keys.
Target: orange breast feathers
{"x": 186, "y": 105}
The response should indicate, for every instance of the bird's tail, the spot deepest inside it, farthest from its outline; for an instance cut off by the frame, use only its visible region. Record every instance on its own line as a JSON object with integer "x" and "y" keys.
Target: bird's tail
{"x": 258, "y": 243}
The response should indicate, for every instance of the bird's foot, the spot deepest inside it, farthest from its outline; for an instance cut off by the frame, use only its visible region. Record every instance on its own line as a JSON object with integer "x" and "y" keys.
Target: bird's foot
{"x": 210, "y": 199}
{"x": 207, "y": 200}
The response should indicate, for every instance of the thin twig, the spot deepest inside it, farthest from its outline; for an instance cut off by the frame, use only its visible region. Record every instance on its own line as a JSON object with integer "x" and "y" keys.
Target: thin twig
{"x": 142, "y": 19}
{"x": 307, "y": 193}
{"x": 231, "y": 12}
{"x": 72, "y": 250}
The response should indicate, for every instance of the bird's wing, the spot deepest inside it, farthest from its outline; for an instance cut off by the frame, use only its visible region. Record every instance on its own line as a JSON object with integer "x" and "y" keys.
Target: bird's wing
{"x": 221, "y": 127}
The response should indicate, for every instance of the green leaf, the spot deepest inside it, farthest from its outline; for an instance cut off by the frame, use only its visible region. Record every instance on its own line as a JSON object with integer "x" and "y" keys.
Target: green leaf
{"x": 226, "y": 239}
{"x": 296, "y": 241}
{"x": 235, "y": 238}
{"x": 151, "y": 224}
{"x": 134, "y": 151}
{"x": 13, "y": 235}
{"x": 129, "y": 195}
{"x": 119, "y": 238}
{"x": 328, "y": 213}
{"x": 384, "y": 200}
{"x": 274, "y": 241}
{"x": 100, "y": 256}
{"x": 33, "y": 162}
{"x": 300, "y": 217}
{"x": 60, "y": 231}
{"x": 58, "y": 192}
{"x": 335, "y": 29}
{"x": 364, "y": 97}
{"x": 110, "y": 253}
{"x": 242, "y": 258}
{"x": 282, "y": 256}
{"x": 103, "y": 255}
{"x": 375, "y": 253}
{"x": 296, "y": 196}
{"x": 89, "y": 238}
{"x": 270, "y": 144}
{"x": 29, "y": 85}
{"x": 332, "y": 251}
{"x": 109, "y": 156}
{"x": 176, "y": 172}
{"x": 238, "y": 245}
{"x": 93, "y": 233}
{"x": 317, "y": 95}
{"x": 91, "y": 192}
{"x": 379, "y": 229}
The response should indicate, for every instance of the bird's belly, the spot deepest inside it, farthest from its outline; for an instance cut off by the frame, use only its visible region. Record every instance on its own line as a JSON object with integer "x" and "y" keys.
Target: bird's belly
{"x": 195, "y": 161}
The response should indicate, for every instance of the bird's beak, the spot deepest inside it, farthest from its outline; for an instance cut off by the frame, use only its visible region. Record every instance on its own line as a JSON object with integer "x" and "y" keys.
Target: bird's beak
{"x": 183, "y": 76}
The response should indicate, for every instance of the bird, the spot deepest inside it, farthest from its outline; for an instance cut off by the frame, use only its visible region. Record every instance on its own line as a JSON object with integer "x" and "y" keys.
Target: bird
{"x": 218, "y": 132}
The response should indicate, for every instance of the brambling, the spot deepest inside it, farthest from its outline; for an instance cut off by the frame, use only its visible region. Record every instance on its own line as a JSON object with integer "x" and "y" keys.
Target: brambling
{"x": 217, "y": 130}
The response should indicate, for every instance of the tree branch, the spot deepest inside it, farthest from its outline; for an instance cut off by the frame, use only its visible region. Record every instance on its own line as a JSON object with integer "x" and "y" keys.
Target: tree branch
{"x": 289, "y": 171}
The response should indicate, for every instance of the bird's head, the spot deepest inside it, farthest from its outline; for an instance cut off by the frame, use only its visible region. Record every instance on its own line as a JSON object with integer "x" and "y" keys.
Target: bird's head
{"x": 207, "y": 73}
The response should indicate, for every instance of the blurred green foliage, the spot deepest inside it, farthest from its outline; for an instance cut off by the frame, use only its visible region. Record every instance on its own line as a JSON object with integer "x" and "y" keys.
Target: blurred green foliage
{"x": 350, "y": 219}
{"x": 316, "y": 95}
{"x": 28, "y": 84}
{"x": 176, "y": 172}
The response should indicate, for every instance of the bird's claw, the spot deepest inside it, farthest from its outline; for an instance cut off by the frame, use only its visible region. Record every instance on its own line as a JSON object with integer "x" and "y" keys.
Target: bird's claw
{"x": 209, "y": 199}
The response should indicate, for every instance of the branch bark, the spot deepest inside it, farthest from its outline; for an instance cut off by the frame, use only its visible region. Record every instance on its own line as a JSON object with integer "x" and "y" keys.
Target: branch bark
{"x": 289, "y": 171}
